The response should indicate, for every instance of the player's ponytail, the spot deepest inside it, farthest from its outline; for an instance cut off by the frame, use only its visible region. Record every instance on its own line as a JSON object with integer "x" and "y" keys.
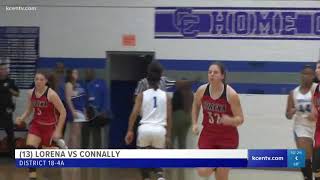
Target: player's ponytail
{"x": 154, "y": 74}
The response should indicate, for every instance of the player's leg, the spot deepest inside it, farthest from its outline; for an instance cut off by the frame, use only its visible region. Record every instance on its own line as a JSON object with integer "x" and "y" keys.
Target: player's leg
{"x": 222, "y": 173}
{"x": 158, "y": 141}
{"x": 205, "y": 142}
{"x": 144, "y": 142}
{"x": 33, "y": 142}
{"x": 307, "y": 144}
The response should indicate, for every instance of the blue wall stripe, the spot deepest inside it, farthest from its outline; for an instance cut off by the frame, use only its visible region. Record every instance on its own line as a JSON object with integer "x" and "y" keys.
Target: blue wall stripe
{"x": 235, "y": 66}
{"x": 199, "y": 65}
{"x": 183, "y": 65}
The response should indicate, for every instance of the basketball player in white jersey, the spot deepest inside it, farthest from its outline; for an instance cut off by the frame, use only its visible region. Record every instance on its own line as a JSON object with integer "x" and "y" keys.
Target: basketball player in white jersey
{"x": 299, "y": 108}
{"x": 154, "y": 107}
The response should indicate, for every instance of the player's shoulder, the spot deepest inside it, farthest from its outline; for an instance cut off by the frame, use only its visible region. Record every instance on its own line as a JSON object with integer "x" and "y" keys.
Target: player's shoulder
{"x": 231, "y": 93}
{"x": 30, "y": 92}
{"x": 202, "y": 87}
{"x": 314, "y": 87}
{"x": 230, "y": 90}
{"x": 51, "y": 92}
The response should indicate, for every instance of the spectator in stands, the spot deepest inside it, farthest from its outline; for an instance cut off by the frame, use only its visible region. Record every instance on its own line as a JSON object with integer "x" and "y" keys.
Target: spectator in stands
{"x": 8, "y": 89}
{"x": 96, "y": 91}
{"x": 75, "y": 99}
{"x": 60, "y": 79}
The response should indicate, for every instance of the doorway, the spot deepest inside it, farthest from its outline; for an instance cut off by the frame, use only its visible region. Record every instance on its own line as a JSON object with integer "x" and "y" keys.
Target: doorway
{"x": 124, "y": 70}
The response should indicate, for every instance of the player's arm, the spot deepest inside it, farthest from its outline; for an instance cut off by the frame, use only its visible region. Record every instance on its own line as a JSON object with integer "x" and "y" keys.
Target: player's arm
{"x": 27, "y": 111}
{"x": 133, "y": 117}
{"x": 290, "y": 110}
{"x": 56, "y": 101}
{"x": 68, "y": 93}
{"x": 135, "y": 112}
{"x": 196, "y": 105}
{"x": 314, "y": 112}
{"x": 236, "y": 109}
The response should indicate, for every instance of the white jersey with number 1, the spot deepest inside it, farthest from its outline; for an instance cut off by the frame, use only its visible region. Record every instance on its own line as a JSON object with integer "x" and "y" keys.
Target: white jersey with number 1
{"x": 154, "y": 107}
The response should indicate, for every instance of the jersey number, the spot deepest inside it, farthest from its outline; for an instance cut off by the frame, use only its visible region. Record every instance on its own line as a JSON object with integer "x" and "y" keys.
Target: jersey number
{"x": 306, "y": 108}
{"x": 154, "y": 102}
{"x": 38, "y": 111}
{"x": 214, "y": 118}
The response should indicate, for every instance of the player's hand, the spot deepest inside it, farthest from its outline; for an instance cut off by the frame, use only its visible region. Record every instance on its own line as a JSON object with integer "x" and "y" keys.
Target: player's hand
{"x": 129, "y": 137}
{"x": 195, "y": 129}
{"x": 19, "y": 121}
{"x": 227, "y": 120}
{"x": 56, "y": 134}
{"x": 291, "y": 112}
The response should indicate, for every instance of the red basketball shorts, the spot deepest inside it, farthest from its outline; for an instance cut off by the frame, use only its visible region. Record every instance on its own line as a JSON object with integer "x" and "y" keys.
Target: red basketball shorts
{"x": 44, "y": 132}
{"x": 209, "y": 140}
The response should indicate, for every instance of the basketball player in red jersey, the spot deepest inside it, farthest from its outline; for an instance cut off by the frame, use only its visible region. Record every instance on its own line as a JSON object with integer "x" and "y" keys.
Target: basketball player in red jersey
{"x": 45, "y": 125}
{"x": 316, "y": 112}
{"x": 222, "y": 114}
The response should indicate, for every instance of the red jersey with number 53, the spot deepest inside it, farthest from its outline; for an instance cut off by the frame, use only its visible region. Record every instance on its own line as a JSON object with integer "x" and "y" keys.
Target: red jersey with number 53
{"x": 213, "y": 110}
{"x": 44, "y": 110}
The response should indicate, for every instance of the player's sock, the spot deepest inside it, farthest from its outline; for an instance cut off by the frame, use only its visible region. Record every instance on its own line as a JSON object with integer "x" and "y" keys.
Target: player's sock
{"x": 60, "y": 143}
{"x": 307, "y": 170}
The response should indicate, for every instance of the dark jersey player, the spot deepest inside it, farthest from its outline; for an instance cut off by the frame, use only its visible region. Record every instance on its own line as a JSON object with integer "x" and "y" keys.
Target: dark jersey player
{"x": 48, "y": 119}
{"x": 222, "y": 114}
